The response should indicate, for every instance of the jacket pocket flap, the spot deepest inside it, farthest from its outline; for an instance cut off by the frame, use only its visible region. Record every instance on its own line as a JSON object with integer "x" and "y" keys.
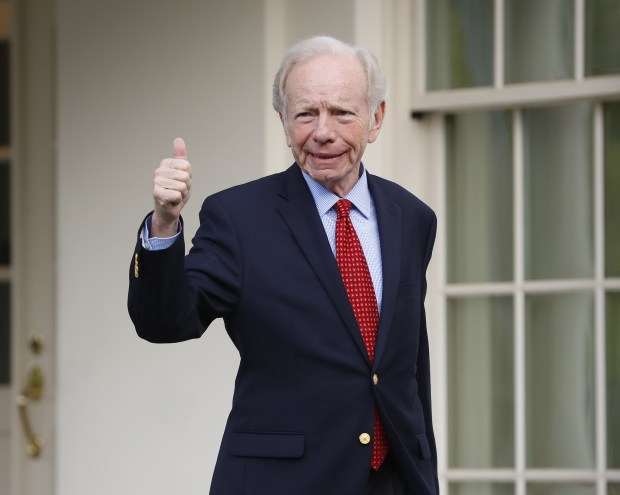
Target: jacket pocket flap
{"x": 267, "y": 444}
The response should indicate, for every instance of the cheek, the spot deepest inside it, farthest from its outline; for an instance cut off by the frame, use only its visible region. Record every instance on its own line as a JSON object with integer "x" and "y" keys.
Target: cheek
{"x": 296, "y": 138}
{"x": 357, "y": 138}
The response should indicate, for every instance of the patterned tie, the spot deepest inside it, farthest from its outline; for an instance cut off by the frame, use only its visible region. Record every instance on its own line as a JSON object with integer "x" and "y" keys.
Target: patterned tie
{"x": 358, "y": 284}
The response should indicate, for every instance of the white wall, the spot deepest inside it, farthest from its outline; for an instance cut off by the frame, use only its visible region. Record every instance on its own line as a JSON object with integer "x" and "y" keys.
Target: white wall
{"x": 134, "y": 417}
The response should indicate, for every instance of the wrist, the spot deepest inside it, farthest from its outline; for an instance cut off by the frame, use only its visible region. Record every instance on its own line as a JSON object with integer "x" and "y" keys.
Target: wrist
{"x": 162, "y": 228}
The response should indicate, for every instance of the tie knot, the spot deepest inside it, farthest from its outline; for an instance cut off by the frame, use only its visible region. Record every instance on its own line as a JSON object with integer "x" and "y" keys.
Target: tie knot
{"x": 343, "y": 207}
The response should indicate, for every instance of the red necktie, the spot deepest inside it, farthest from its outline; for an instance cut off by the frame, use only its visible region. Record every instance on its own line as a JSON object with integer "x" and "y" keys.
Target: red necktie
{"x": 358, "y": 284}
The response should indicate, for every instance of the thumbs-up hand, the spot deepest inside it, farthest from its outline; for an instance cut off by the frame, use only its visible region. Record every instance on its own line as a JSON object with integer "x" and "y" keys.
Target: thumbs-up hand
{"x": 172, "y": 182}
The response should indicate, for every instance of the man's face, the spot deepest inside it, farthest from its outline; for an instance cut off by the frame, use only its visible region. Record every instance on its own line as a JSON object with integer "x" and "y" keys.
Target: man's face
{"x": 327, "y": 122}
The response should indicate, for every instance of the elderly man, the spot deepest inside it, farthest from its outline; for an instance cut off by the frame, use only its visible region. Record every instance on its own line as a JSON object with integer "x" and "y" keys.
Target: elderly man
{"x": 319, "y": 275}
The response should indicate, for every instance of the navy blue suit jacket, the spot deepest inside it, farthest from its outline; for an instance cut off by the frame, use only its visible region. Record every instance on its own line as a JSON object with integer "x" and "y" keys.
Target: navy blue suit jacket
{"x": 304, "y": 391}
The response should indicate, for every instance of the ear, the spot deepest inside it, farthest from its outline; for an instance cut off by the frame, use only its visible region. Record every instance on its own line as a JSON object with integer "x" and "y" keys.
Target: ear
{"x": 285, "y": 127}
{"x": 377, "y": 122}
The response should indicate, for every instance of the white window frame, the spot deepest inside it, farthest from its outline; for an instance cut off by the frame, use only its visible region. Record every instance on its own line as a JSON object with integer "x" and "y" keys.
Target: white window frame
{"x": 433, "y": 106}
{"x": 508, "y": 95}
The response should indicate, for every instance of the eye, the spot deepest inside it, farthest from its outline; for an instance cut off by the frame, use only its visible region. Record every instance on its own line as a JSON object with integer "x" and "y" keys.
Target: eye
{"x": 343, "y": 114}
{"x": 303, "y": 116}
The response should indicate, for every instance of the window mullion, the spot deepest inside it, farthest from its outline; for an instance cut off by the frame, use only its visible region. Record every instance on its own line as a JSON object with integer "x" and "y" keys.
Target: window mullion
{"x": 599, "y": 301}
{"x": 524, "y": 94}
{"x": 438, "y": 146}
{"x": 579, "y": 49}
{"x": 498, "y": 52}
{"x": 420, "y": 42}
{"x": 519, "y": 302}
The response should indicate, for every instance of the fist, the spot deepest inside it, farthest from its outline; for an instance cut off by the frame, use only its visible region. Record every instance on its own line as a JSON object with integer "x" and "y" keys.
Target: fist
{"x": 172, "y": 182}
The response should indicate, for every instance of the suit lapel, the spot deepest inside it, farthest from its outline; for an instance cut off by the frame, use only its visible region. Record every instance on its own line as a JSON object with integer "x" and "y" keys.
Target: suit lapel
{"x": 298, "y": 210}
{"x": 389, "y": 220}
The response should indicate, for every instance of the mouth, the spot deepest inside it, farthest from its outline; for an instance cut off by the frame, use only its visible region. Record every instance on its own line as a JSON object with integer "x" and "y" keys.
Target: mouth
{"x": 326, "y": 156}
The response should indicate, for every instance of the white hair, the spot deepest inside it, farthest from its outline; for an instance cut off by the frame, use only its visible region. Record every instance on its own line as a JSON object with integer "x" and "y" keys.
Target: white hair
{"x": 326, "y": 45}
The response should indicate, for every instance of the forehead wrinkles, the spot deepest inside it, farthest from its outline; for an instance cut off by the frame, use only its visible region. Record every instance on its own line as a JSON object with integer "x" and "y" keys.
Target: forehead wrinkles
{"x": 327, "y": 79}
{"x": 321, "y": 96}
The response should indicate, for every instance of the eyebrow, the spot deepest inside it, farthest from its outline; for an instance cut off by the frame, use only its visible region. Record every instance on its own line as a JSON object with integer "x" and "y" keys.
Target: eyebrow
{"x": 305, "y": 104}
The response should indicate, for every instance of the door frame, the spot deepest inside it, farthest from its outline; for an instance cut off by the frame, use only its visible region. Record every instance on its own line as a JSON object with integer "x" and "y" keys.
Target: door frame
{"x": 33, "y": 303}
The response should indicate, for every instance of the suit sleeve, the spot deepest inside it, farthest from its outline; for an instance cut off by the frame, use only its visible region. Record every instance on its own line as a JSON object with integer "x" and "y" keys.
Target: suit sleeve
{"x": 423, "y": 362}
{"x": 173, "y": 297}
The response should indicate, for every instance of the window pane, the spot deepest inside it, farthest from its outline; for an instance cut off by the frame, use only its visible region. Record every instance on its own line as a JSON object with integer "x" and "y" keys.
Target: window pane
{"x": 602, "y": 46}
{"x": 459, "y": 41}
{"x": 539, "y": 40}
{"x": 5, "y": 216}
{"x": 612, "y": 188}
{"x": 558, "y": 192}
{"x": 613, "y": 489}
{"x": 481, "y": 488}
{"x": 560, "y": 489}
{"x": 480, "y": 382}
{"x": 5, "y": 344}
{"x": 4, "y": 93}
{"x": 479, "y": 191}
{"x": 560, "y": 380}
{"x": 613, "y": 379}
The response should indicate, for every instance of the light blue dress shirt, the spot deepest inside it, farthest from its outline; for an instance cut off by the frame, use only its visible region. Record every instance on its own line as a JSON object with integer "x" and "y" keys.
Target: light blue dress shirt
{"x": 363, "y": 217}
{"x": 364, "y": 220}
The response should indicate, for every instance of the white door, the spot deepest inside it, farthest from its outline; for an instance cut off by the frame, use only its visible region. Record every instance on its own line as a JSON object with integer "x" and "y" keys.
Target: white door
{"x": 26, "y": 250}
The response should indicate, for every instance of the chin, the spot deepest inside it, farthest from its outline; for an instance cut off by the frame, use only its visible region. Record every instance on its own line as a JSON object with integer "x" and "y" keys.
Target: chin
{"x": 324, "y": 176}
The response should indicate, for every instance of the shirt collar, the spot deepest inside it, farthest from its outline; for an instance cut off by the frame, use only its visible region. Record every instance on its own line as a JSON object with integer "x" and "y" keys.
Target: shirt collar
{"x": 325, "y": 199}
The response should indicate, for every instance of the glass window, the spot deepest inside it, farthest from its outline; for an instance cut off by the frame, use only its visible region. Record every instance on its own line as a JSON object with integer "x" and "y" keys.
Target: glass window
{"x": 613, "y": 489}
{"x": 559, "y": 229}
{"x": 5, "y": 216}
{"x": 612, "y": 188}
{"x": 479, "y": 197}
{"x": 602, "y": 44}
{"x": 5, "y": 116}
{"x": 560, "y": 489}
{"x": 539, "y": 40}
{"x": 559, "y": 380}
{"x": 613, "y": 379}
{"x": 480, "y": 383}
{"x": 459, "y": 41}
{"x": 481, "y": 488}
{"x": 5, "y": 344}
{"x": 522, "y": 299}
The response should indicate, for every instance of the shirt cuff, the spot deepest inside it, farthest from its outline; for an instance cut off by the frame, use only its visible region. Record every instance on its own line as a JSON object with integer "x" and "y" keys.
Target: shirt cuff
{"x": 156, "y": 243}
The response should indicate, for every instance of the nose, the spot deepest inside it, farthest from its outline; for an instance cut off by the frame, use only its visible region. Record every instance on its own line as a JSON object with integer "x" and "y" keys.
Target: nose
{"x": 324, "y": 131}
